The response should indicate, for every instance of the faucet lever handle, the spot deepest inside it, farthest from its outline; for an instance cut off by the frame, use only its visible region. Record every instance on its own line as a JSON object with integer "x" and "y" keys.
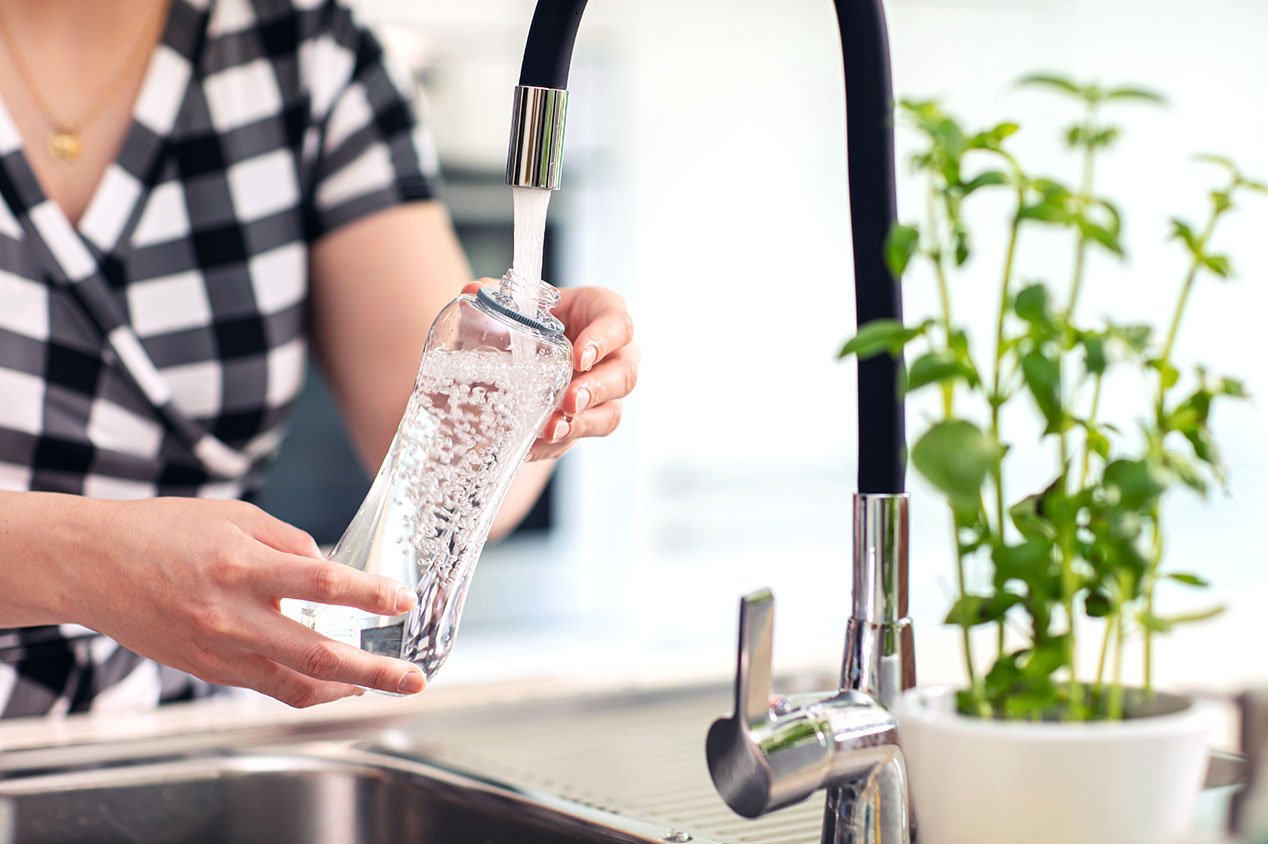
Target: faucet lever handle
{"x": 753, "y": 669}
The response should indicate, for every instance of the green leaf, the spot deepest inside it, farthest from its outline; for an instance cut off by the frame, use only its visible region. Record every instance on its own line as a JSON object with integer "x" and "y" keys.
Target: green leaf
{"x": 1045, "y": 658}
{"x": 939, "y": 367}
{"x": 1082, "y": 137}
{"x": 1042, "y": 375}
{"x": 1231, "y": 387}
{"x": 1003, "y": 676}
{"x": 1030, "y": 522}
{"x": 1218, "y": 160}
{"x": 961, "y": 246}
{"x": 900, "y": 246}
{"x": 1165, "y": 624}
{"x": 955, "y": 456}
{"x": 1180, "y": 230}
{"x": 1033, "y": 304}
{"x": 1047, "y": 211}
{"x": 1169, "y": 374}
{"x": 988, "y": 178}
{"x": 964, "y": 612}
{"x": 1187, "y": 471}
{"x": 1131, "y": 92}
{"x": 1095, "y": 361}
{"x": 972, "y": 610}
{"x": 1218, "y": 264}
{"x": 993, "y": 137}
{"x": 1028, "y": 562}
{"x": 881, "y": 335}
{"x": 1051, "y": 80}
{"x": 1187, "y": 579}
{"x": 1222, "y": 200}
{"x": 1097, "y": 605}
{"x": 1137, "y": 483}
{"x": 1098, "y": 443}
{"x": 1103, "y": 236}
{"x": 1135, "y": 337}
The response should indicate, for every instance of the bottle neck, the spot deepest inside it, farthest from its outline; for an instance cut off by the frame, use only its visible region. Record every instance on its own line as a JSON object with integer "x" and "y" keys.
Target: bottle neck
{"x": 528, "y": 297}
{"x": 527, "y": 302}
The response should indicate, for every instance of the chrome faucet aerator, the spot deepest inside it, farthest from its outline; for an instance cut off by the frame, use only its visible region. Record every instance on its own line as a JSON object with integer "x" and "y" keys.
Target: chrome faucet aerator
{"x": 535, "y": 158}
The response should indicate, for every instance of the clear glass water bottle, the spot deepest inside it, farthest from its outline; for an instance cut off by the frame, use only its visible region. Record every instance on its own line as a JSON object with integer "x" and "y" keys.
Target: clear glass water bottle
{"x": 495, "y": 367}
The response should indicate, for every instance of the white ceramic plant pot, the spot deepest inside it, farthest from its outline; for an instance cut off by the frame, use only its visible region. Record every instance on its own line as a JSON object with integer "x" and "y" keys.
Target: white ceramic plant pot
{"x": 975, "y": 781}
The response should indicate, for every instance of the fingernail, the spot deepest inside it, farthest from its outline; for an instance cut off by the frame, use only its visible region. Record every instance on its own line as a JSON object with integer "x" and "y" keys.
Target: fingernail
{"x": 411, "y": 683}
{"x": 588, "y": 354}
{"x": 404, "y": 599}
{"x": 583, "y": 399}
{"x": 559, "y": 431}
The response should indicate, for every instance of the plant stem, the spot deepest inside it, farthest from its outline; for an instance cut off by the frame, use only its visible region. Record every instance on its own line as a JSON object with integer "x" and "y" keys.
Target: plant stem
{"x": 1155, "y": 560}
{"x": 996, "y": 397}
{"x": 1085, "y": 197}
{"x": 944, "y": 290}
{"x": 1105, "y": 643}
{"x": 1068, "y": 585}
{"x": 976, "y": 691}
{"x": 1160, "y": 410}
{"x": 1091, "y": 423}
{"x": 1067, "y": 600}
{"x": 1183, "y": 302}
{"x": 1114, "y": 705}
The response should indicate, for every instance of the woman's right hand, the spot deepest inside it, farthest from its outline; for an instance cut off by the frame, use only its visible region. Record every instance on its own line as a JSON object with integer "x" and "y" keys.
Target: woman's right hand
{"x": 197, "y": 585}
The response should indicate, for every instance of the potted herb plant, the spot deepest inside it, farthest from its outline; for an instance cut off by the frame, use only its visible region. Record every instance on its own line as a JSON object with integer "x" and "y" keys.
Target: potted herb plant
{"x": 1039, "y": 747}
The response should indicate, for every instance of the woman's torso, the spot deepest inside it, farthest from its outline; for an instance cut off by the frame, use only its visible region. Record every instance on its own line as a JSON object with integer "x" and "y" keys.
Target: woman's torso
{"x": 157, "y": 347}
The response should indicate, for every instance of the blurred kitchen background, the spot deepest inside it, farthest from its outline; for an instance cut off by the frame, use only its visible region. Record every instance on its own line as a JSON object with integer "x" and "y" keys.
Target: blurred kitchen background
{"x": 705, "y": 180}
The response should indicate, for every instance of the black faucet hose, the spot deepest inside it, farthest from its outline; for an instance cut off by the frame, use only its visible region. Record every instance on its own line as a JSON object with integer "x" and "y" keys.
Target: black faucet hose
{"x": 873, "y": 211}
{"x": 548, "y": 51}
{"x": 873, "y": 207}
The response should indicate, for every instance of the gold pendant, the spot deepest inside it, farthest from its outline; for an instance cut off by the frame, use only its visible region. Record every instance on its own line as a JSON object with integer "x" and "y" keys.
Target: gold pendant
{"x": 64, "y": 145}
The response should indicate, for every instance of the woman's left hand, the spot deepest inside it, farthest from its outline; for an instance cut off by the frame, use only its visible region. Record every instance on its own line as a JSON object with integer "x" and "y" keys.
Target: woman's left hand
{"x": 605, "y": 362}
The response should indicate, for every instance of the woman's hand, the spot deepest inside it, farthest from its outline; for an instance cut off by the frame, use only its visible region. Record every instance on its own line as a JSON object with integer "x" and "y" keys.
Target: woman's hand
{"x": 605, "y": 362}
{"x": 196, "y": 585}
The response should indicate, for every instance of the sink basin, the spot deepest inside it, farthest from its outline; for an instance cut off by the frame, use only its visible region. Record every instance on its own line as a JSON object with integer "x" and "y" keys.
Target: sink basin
{"x": 337, "y": 795}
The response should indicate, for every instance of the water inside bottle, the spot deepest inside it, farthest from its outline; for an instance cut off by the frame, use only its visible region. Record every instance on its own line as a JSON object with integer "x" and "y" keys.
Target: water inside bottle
{"x": 467, "y": 429}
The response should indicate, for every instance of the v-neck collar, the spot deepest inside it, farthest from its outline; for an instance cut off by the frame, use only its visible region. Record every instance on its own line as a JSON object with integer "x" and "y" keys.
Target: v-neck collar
{"x": 115, "y": 204}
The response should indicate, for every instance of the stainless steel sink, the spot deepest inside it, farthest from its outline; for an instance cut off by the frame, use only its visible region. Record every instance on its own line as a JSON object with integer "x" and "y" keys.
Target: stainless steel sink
{"x": 309, "y": 795}
{"x": 613, "y": 767}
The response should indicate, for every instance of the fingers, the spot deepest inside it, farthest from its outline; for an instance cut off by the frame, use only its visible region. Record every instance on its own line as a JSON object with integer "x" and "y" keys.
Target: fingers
{"x": 315, "y": 656}
{"x": 597, "y": 422}
{"x": 276, "y": 533}
{"x": 607, "y": 325}
{"x": 291, "y": 576}
{"x": 286, "y": 684}
{"x": 614, "y": 378}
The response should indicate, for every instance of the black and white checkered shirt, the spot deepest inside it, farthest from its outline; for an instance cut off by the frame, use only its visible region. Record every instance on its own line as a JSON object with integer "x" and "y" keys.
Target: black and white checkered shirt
{"x": 157, "y": 347}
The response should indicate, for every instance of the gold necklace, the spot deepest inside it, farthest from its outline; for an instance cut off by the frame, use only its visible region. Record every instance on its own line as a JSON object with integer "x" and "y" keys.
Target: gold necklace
{"x": 65, "y": 141}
